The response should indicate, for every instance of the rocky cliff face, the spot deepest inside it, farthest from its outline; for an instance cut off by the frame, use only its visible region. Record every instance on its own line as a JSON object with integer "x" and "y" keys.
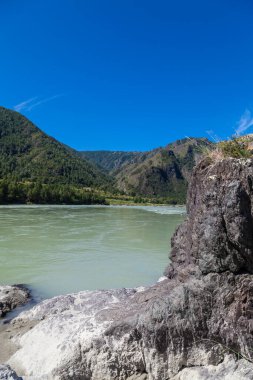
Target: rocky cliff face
{"x": 218, "y": 233}
{"x": 197, "y": 323}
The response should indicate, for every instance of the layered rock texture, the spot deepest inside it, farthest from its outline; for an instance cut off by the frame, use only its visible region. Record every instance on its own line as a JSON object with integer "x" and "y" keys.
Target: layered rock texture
{"x": 196, "y": 324}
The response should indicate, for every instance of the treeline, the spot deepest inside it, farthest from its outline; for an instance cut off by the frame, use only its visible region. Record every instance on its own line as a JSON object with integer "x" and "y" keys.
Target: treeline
{"x": 163, "y": 200}
{"x": 25, "y": 193}
{"x": 114, "y": 198}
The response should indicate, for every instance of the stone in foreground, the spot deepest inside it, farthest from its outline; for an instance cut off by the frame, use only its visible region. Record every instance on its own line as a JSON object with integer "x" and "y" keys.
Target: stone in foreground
{"x": 11, "y": 297}
{"x": 229, "y": 369}
{"x": 6, "y": 373}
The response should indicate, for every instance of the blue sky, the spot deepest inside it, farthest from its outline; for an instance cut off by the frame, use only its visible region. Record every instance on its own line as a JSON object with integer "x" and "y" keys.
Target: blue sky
{"x": 129, "y": 74}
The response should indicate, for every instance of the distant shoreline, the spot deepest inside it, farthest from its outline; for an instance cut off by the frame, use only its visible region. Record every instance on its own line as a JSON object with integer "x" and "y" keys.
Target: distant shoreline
{"x": 116, "y": 203}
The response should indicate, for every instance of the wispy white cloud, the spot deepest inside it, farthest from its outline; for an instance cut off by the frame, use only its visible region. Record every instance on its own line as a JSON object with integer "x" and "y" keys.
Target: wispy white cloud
{"x": 42, "y": 101}
{"x": 245, "y": 122}
{"x": 28, "y": 105}
{"x": 213, "y": 136}
{"x": 25, "y": 104}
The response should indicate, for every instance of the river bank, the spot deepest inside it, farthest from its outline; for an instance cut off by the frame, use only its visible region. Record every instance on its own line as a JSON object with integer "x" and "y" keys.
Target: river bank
{"x": 195, "y": 323}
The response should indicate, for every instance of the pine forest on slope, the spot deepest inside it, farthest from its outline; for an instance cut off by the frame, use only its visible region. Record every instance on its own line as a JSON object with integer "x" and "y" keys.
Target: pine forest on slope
{"x": 36, "y": 168}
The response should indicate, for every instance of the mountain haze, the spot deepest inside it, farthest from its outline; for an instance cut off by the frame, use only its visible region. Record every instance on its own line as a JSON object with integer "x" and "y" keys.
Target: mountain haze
{"x": 111, "y": 161}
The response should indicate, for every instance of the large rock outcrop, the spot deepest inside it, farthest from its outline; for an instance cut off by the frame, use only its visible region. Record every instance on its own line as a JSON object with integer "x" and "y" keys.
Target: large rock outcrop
{"x": 218, "y": 233}
{"x": 197, "y": 323}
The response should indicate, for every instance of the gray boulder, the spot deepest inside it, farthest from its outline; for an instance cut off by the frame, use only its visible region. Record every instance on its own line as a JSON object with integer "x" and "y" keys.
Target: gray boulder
{"x": 229, "y": 369}
{"x": 6, "y": 373}
{"x": 11, "y": 297}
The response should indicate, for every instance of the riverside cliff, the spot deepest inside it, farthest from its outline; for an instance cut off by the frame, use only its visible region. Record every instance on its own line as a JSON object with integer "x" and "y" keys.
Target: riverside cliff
{"x": 197, "y": 323}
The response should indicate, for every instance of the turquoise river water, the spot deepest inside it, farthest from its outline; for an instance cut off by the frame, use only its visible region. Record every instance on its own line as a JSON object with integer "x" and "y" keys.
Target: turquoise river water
{"x": 62, "y": 249}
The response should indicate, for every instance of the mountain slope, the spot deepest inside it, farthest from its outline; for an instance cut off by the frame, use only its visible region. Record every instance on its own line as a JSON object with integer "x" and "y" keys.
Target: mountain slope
{"x": 162, "y": 172}
{"x": 28, "y": 154}
{"x": 165, "y": 172}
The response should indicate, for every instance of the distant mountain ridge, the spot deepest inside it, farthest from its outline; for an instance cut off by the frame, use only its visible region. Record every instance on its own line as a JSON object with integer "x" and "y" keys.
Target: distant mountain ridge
{"x": 160, "y": 173}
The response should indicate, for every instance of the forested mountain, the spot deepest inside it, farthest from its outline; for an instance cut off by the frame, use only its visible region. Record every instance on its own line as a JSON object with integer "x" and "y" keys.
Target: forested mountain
{"x": 160, "y": 173}
{"x": 35, "y": 167}
{"x": 28, "y": 154}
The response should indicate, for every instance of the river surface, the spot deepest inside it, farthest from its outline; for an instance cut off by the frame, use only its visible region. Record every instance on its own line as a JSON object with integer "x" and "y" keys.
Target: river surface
{"x": 62, "y": 249}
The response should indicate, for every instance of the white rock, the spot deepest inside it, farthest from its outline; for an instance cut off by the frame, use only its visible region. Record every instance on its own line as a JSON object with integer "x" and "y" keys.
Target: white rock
{"x": 68, "y": 326}
{"x": 229, "y": 369}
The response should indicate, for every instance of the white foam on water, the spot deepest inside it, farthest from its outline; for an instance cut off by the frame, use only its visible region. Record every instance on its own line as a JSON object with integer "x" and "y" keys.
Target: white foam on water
{"x": 163, "y": 278}
{"x": 164, "y": 210}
